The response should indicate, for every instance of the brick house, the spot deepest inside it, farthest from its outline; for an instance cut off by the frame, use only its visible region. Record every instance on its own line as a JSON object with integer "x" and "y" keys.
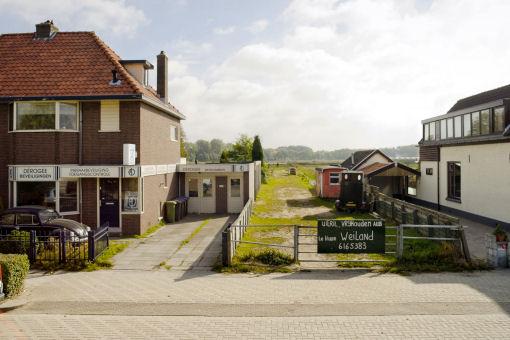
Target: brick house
{"x": 82, "y": 131}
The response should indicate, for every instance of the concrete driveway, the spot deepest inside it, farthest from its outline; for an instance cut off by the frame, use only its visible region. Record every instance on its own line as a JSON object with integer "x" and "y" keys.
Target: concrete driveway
{"x": 167, "y": 249}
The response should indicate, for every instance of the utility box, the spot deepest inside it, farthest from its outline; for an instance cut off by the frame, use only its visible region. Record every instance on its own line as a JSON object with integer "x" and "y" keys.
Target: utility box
{"x": 129, "y": 154}
{"x": 351, "y": 191}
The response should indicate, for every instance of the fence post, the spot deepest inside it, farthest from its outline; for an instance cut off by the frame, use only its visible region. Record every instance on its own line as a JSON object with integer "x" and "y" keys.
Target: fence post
{"x": 464, "y": 244}
{"x": 400, "y": 241}
{"x": 430, "y": 221}
{"x": 416, "y": 219}
{"x": 392, "y": 211}
{"x": 32, "y": 249}
{"x": 92, "y": 245}
{"x": 230, "y": 249}
{"x": 296, "y": 244}
{"x": 404, "y": 215}
{"x": 63, "y": 250}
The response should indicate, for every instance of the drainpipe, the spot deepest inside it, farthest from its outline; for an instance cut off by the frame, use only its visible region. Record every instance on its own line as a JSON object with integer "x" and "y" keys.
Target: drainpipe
{"x": 438, "y": 186}
{"x": 80, "y": 159}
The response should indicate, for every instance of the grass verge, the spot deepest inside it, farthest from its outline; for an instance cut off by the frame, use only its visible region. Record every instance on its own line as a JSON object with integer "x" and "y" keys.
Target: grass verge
{"x": 151, "y": 230}
{"x": 104, "y": 261}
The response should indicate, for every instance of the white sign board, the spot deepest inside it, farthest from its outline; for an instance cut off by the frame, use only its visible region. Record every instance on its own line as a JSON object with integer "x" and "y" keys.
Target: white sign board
{"x": 148, "y": 170}
{"x": 35, "y": 173}
{"x": 129, "y": 154}
{"x": 131, "y": 171}
{"x": 161, "y": 169}
{"x": 241, "y": 167}
{"x": 89, "y": 171}
{"x": 206, "y": 168}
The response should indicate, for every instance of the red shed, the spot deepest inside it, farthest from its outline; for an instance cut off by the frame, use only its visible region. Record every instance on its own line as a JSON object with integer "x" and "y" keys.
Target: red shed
{"x": 328, "y": 181}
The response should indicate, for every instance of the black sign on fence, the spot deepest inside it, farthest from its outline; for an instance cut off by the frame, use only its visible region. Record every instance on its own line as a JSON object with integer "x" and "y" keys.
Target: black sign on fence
{"x": 351, "y": 236}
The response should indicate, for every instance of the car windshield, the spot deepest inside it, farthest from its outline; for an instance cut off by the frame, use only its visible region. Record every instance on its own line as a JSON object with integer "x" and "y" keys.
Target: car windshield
{"x": 47, "y": 215}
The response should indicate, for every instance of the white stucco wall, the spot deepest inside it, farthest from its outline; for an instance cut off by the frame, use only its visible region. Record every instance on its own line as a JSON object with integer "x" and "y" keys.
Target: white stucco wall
{"x": 426, "y": 186}
{"x": 485, "y": 179}
{"x": 376, "y": 158}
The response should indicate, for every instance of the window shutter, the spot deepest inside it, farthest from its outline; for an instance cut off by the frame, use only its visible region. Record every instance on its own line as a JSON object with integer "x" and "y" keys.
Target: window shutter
{"x": 110, "y": 115}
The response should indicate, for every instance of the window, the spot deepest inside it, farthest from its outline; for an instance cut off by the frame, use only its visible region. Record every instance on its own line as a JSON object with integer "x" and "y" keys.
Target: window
{"x": 68, "y": 195}
{"x": 432, "y": 128}
{"x": 193, "y": 187}
{"x": 7, "y": 219}
{"x": 467, "y": 125}
{"x": 235, "y": 187}
{"x": 453, "y": 180}
{"x": 458, "y": 126}
{"x": 110, "y": 116}
{"x": 46, "y": 116}
{"x": 428, "y": 171}
{"x": 173, "y": 133}
{"x": 443, "y": 129}
{"x": 68, "y": 116}
{"x": 36, "y": 193}
{"x": 426, "y": 133}
{"x": 449, "y": 128}
{"x": 35, "y": 116}
{"x": 475, "y": 123}
{"x": 438, "y": 130}
{"x": 499, "y": 119}
{"x": 131, "y": 197}
{"x": 27, "y": 219}
{"x": 206, "y": 187}
{"x": 485, "y": 120}
{"x": 334, "y": 178}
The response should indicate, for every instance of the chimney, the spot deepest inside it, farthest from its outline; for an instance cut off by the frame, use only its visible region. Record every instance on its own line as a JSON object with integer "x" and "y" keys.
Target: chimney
{"x": 162, "y": 76}
{"x": 45, "y": 30}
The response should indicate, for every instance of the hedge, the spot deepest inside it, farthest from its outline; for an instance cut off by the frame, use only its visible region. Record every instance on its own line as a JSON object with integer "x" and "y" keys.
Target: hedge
{"x": 14, "y": 271}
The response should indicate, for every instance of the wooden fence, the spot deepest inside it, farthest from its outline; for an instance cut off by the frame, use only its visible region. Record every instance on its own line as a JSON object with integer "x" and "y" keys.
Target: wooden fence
{"x": 406, "y": 213}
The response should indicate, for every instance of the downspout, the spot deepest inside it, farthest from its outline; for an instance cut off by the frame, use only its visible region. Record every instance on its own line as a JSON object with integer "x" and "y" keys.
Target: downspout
{"x": 80, "y": 159}
{"x": 438, "y": 187}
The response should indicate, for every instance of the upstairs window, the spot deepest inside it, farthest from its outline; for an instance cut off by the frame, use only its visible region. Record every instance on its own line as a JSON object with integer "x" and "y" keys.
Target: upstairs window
{"x": 467, "y": 125}
{"x": 173, "y": 133}
{"x": 426, "y": 135}
{"x": 485, "y": 122}
{"x": 475, "y": 123}
{"x": 499, "y": 119}
{"x": 443, "y": 129}
{"x": 42, "y": 115}
{"x": 110, "y": 116}
{"x": 432, "y": 132}
{"x": 449, "y": 128}
{"x": 458, "y": 126}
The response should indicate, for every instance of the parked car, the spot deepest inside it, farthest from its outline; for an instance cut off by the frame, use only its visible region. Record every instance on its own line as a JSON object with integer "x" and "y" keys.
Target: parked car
{"x": 46, "y": 222}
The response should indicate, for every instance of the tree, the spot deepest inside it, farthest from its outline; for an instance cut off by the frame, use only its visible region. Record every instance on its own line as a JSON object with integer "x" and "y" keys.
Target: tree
{"x": 224, "y": 156}
{"x": 203, "y": 150}
{"x": 184, "y": 152}
{"x": 257, "y": 153}
{"x": 216, "y": 147}
{"x": 241, "y": 150}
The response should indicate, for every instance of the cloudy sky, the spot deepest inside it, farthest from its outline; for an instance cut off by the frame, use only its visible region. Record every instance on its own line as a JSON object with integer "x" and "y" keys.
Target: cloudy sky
{"x": 323, "y": 73}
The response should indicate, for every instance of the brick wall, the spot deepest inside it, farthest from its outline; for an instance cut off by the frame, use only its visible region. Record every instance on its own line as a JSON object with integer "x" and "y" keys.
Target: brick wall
{"x": 155, "y": 193}
{"x": 156, "y": 146}
{"x": 89, "y": 201}
{"x": 4, "y": 147}
{"x": 105, "y": 148}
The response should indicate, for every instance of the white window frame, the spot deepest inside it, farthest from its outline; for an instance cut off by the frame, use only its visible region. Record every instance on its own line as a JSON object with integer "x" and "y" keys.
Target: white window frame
{"x": 337, "y": 174}
{"x": 229, "y": 179}
{"x": 57, "y": 116}
{"x": 78, "y": 196}
{"x": 140, "y": 198}
{"x": 174, "y": 129}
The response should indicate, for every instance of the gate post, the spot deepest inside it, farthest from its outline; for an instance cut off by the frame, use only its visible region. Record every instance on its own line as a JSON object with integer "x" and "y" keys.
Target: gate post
{"x": 296, "y": 244}
{"x": 32, "y": 248}
{"x": 63, "y": 250}
{"x": 225, "y": 246}
{"x": 91, "y": 245}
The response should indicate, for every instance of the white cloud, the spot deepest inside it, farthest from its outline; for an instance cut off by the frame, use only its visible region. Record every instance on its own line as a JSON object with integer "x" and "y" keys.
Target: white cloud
{"x": 113, "y": 16}
{"x": 224, "y": 30}
{"x": 258, "y": 26}
{"x": 354, "y": 73}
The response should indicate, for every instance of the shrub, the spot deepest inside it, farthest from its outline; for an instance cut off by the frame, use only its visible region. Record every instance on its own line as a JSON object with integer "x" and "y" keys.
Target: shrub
{"x": 268, "y": 256}
{"x": 14, "y": 271}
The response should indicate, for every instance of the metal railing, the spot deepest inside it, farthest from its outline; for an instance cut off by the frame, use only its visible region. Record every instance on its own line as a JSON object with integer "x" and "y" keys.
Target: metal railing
{"x": 396, "y": 237}
{"x": 59, "y": 246}
{"x": 234, "y": 232}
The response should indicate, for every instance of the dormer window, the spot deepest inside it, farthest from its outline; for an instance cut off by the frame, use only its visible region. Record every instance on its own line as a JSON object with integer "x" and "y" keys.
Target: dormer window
{"x": 139, "y": 69}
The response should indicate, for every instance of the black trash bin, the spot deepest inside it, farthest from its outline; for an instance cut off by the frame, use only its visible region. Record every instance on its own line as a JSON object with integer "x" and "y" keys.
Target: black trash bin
{"x": 184, "y": 205}
{"x": 178, "y": 209}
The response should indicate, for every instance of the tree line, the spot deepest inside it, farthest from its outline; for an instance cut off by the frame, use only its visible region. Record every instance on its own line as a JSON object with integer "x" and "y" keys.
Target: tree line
{"x": 241, "y": 150}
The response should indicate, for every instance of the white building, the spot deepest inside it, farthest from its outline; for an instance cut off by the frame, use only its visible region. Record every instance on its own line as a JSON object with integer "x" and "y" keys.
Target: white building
{"x": 465, "y": 159}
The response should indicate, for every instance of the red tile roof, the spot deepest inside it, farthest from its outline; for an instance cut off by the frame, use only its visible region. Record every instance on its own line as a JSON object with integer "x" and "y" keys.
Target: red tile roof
{"x": 70, "y": 64}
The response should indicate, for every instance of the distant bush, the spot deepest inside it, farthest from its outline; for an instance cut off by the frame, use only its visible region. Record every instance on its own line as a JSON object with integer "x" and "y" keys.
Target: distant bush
{"x": 14, "y": 271}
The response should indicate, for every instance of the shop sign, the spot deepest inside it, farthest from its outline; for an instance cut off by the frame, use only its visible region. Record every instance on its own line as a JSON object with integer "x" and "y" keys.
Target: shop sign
{"x": 130, "y": 171}
{"x": 172, "y": 168}
{"x": 34, "y": 173}
{"x": 351, "y": 236}
{"x": 89, "y": 171}
{"x": 161, "y": 169}
{"x": 149, "y": 170}
{"x": 241, "y": 167}
{"x": 130, "y": 201}
{"x": 206, "y": 168}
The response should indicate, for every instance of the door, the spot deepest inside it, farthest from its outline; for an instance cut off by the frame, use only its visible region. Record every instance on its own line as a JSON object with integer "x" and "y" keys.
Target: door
{"x": 109, "y": 206}
{"x": 221, "y": 195}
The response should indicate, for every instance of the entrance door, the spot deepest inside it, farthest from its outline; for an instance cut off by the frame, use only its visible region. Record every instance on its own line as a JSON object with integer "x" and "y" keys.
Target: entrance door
{"x": 221, "y": 194}
{"x": 109, "y": 196}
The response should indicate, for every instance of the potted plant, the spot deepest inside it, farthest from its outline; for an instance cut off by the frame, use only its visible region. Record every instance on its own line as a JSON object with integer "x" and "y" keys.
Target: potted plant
{"x": 500, "y": 234}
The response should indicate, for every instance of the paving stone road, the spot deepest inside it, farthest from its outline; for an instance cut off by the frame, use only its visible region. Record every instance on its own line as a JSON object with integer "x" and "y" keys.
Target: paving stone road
{"x": 202, "y": 304}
